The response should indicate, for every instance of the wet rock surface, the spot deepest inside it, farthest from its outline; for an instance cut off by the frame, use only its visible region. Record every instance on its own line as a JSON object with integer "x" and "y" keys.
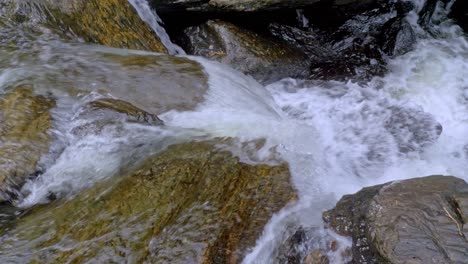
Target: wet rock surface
{"x": 347, "y": 50}
{"x": 397, "y": 37}
{"x": 419, "y": 220}
{"x": 131, "y": 112}
{"x": 25, "y": 121}
{"x": 113, "y": 23}
{"x": 191, "y": 203}
{"x": 264, "y": 58}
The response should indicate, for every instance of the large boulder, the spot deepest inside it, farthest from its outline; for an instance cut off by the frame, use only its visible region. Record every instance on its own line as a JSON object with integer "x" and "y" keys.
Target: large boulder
{"x": 25, "y": 121}
{"x": 113, "y": 23}
{"x": 192, "y": 203}
{"x": 412, "y": 221}
{"x": 266, "y": 59}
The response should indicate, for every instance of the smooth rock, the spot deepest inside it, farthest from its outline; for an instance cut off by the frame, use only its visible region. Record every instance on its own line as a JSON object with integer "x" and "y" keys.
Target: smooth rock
{"x": 113, "y": 23}
{"x": 192, "y": 203}
{"x": 419, "y": 220}
{"x": 131, "y": 112}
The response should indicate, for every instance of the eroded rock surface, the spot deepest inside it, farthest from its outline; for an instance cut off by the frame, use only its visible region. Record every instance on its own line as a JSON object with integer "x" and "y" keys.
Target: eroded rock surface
{"x": 419, "y": 220}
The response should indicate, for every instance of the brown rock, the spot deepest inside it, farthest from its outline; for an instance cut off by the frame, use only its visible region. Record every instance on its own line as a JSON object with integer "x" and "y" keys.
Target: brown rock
{"x": 316, "y": 257}
{"x": 113, "y": 23}
{"x": 24, "y": 124}
{"x": 132, "y": 112}
{"x": 189, "y": 204}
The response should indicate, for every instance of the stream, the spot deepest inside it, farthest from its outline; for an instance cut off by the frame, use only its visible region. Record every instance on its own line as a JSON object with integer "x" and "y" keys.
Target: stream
{"x": 336, "y": 136}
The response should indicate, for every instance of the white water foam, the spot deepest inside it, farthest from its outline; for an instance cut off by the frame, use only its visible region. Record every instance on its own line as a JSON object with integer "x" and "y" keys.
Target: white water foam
{"x": 150, "y": 17}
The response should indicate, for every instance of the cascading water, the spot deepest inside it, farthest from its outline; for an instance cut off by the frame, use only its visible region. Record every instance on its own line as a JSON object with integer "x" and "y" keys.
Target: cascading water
{"x": 358, "y": 147}
{"x": 337, "y": 137}
{"x": 152, "y": 19}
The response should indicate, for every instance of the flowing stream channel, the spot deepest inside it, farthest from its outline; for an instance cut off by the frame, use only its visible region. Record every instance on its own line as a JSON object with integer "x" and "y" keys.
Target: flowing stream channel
{"x": 336, "y": 136}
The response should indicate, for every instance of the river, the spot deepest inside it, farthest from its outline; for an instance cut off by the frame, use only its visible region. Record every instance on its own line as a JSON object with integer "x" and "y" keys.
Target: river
{"x": 334, "y": 135}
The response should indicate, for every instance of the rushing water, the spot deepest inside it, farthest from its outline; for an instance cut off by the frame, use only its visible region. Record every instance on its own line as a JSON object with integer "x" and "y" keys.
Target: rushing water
{"x": 337, "y": 137}
{"x": 152, "y": 19}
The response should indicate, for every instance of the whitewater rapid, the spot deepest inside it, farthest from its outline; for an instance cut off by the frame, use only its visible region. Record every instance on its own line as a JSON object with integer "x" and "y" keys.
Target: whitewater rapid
{"x": 350, "y": 119}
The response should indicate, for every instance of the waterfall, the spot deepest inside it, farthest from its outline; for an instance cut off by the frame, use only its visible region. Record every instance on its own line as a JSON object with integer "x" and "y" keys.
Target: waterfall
{"x": 150, "y": 17}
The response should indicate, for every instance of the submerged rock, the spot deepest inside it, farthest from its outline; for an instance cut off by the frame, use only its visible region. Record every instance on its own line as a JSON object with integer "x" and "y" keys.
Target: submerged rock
{"x": 191, "y": 203}
{"x": 25, "y": 121}
{"x": 413, "y": 129}
{"x": 265, "y": 59}
{"x": 108, "y": 112}
{"x": 133, "y": 113}
{"x": 412, "y": 221}
{"x": 113, "y": 23}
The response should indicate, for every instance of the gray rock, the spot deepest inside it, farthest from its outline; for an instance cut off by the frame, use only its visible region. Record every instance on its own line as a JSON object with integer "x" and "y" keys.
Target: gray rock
{"x": 412, "y": 221}
{"x": 397, "y": 37}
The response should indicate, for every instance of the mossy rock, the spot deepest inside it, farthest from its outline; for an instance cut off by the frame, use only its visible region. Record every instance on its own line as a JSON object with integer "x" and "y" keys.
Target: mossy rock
{"x": 192, "y": 203}
{"x": 113, "y": 23}
{"x": 25, "y": 122}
